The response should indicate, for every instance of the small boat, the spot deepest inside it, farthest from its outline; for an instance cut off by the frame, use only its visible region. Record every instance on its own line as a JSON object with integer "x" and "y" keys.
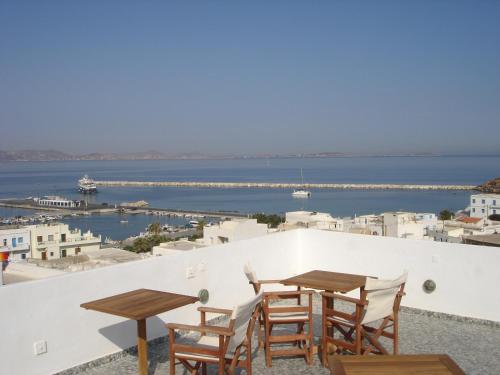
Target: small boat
{"x": 301, "y": 193}
{"x": 123, "y": 221}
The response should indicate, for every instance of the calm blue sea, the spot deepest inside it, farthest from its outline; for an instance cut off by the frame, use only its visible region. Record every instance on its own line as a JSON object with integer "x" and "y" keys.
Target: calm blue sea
{"x": 22, "y": 179}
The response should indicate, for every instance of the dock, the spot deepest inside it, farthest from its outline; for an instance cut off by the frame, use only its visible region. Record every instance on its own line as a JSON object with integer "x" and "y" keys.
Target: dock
{"x": 278, "y": 185}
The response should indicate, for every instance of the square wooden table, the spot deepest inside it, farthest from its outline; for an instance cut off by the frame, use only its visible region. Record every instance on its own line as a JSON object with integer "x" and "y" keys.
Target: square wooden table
{"x": 328, "y": 281}
{"x": 139, "y": 305}
{"x": 439, "y": 364}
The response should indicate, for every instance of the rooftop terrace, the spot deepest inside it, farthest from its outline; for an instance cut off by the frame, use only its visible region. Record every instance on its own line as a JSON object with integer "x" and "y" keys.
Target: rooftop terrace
{"x": 459, "y": 318}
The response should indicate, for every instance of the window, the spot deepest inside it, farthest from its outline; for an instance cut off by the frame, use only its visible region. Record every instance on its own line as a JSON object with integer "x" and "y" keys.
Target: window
{"x": 473, "y": 201}
{"x": 494, "y": 202}
{"x": 23, "y": 256}
{"x": 51, "y": 237}
{"x": 39, "y": 239}
{"x": 51, "y": 253}
{"x": 19, "y": 240}
{"x": 483, "y": 201}
{"x": 494, "y": 211}
{"x": 473, "y": 210}
{"x": 482, "y": 210}
{"x": 5, "y": 242}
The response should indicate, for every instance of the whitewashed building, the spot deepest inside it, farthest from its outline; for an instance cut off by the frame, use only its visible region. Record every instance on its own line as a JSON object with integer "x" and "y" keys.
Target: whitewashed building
{"x": 484, "y": 205}
{"x": 57, "y": 240}
{"x": 172, "y": 247}
{"x": 233, "y": 230}
{"x": 15, "y": 241}
{"x": 403, "y": 225}
{"x": 57, "y": 202}
{"x": 317, "y": 220}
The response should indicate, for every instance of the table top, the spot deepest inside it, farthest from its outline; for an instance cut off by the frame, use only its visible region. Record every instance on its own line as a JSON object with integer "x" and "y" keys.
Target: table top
{"x": 439, "y": 364}
{"x": 139, "y": 304}
{"x": 326, "y": 280}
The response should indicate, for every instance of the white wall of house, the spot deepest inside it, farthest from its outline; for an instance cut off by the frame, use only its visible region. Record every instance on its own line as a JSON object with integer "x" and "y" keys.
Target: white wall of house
{"x": 57, "y": 240}
{"x": 16, "y": 242}
{"x": 464, "y": 275}
{"x": 402, "y": 225}
{"x": 233, "y": 230}
{"x": 317, "y": 220}
{"x": 484, "y": 205}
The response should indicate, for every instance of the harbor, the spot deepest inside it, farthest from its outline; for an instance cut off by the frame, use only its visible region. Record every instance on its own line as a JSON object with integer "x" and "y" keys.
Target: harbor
{"x": 278, "y": 185}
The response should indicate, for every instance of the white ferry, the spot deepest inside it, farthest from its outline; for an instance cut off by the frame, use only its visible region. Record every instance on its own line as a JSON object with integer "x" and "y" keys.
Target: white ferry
{"x": 86, "y": 185}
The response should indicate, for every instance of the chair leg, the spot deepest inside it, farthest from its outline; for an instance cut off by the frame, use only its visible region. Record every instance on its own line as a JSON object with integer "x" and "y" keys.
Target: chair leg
{"x": 358, "y": 337}
{"x": 204, "y": 368}
{"x": 395, "y": 328}
{"x": 267, "y": 345}
{"x": 171, "y": 353}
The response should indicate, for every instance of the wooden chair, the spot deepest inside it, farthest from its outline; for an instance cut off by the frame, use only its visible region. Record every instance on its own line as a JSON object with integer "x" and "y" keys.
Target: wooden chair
{"x": 376, "y": 311}
{"x": 225, "y": 345}
{"x": 274, "y": 314}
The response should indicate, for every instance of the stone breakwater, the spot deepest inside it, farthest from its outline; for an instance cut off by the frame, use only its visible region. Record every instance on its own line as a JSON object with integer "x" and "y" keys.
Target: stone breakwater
{"x": 278, "y": 185}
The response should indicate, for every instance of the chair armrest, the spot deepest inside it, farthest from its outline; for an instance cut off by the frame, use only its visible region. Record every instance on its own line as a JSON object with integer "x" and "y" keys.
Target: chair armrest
{"x": 214, "y": 310}
{"x": 203, "y": 329}
{"x": 344, "y": 298}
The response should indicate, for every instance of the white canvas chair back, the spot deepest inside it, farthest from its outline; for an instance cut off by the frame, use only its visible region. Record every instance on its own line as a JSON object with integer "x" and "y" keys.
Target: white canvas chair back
{"x": 241, "y": 316}
{"x": 381, "y": 295}
{"x": 249, "y": 272}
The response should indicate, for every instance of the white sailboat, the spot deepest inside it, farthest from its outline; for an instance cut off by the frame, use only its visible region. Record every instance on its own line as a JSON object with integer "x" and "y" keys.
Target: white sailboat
{"x": 301, "y": 193}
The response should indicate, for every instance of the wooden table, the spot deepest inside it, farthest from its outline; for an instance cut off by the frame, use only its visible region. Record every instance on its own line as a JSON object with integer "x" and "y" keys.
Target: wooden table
{"x": 139, "y": 305}
{"x": 440, "y": 364}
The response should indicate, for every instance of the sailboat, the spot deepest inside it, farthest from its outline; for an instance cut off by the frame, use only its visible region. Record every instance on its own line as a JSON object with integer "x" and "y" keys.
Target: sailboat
{"x": 301, "y": 193}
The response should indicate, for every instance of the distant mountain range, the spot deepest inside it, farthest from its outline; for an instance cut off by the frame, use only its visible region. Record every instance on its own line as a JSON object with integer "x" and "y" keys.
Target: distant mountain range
{"x": 54, "y": 155}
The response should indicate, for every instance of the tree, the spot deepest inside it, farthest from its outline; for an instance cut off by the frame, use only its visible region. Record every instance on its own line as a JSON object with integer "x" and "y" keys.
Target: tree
{"x": 141, "y": 245}
{"x": 154, "y": 228}
{"x": 446, "y": 215}
{"x": 200, "y": 226}
{"x": 272, "y": 220}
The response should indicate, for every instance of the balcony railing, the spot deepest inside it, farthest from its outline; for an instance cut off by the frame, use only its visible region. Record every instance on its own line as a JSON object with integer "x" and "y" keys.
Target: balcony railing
{"x": 465, "y": 276}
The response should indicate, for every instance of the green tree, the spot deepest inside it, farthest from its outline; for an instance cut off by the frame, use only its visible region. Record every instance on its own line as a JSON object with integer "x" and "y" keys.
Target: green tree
{"x": 446, "y": 215}
{"x": 141, "y": 245}
{"x": 200, "y": 226}
{"x": 154, "y": 228}
{"x": 272, "y": 220}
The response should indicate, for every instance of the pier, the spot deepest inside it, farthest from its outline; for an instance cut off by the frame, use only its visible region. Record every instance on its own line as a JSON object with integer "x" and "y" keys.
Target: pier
{"x": 278, "y": 185}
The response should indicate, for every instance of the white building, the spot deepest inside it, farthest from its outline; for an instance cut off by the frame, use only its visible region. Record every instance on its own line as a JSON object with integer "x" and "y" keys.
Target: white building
{"x": 172, "y": 247}
{"x": 233, "y": 230}
{"x": 317, "y": 220}
{"x": 428, "y": 220}
{"x": 15, "y": 242}
{"x": 366, "y": 224}
{"x": 484, "y": 205}
{"x": 403, "y": 225}
{"x": 57, "y": 240}
{"x": 57, "y": 202}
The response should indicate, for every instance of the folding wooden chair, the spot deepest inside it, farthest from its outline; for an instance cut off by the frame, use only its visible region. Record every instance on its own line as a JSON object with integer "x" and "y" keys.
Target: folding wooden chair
{"x": 274, "y": 314}
{"x": 225, "y": 345}
{"x": 376, "y": 312}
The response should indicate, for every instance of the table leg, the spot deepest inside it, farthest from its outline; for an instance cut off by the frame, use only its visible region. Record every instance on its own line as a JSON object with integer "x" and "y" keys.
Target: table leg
{"x": 142, "y": 347}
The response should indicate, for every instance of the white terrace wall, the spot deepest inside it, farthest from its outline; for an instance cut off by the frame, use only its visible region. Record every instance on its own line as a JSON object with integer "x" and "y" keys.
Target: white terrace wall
{"x": 49, "y": 309}
{"x": 466, "y": 276}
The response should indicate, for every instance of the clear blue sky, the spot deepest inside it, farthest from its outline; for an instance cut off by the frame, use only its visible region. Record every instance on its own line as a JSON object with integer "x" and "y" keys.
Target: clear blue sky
{"x": 250, "y": 76}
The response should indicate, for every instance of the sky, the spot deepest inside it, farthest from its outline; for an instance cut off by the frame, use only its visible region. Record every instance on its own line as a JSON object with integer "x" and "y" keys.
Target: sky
{"x": 247, "y": 77}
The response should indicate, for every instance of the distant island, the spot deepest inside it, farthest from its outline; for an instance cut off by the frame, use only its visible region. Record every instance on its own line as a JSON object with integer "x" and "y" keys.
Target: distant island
{"x": 54, "y": 155}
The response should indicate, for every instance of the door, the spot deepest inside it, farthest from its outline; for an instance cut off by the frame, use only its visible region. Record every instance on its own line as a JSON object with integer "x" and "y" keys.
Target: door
{"x": 63, "y": 253}
{"x": 14, "y": 242}
{"x": 44, "y": 255}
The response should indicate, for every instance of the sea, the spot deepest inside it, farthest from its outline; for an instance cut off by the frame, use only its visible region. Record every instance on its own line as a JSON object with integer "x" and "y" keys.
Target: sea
{"x": 24, "y": 179}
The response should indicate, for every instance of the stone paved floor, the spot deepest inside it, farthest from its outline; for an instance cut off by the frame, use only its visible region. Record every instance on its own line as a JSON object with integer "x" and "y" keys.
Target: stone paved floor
{"x": 474, "y": 346}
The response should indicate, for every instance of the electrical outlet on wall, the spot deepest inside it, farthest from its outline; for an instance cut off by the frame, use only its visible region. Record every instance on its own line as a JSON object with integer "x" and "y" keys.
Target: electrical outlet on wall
{"x": 40, "y": 347}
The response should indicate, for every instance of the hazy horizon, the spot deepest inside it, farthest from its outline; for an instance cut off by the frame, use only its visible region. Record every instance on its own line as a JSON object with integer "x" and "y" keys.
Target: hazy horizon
{"x": 241, "y": 78}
